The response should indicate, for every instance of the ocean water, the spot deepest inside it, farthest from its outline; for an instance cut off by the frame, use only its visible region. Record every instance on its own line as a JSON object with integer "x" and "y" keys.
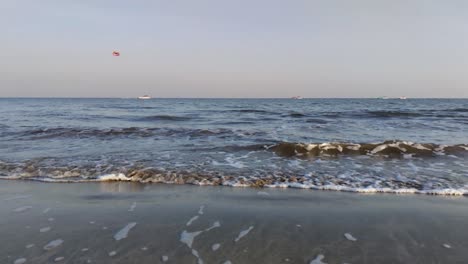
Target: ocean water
{"x": 362, "y": 145}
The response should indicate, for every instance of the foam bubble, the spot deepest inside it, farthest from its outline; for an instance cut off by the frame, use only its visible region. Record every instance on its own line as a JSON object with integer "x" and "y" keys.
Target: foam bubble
{"x": 188, "y": 237}
{"x": 17, "y": 197}
{"x": 20, "y": 261}
{"x": 200, "y": 211}
{"x": 350, "y": 237}
{"x": 45, "y": 229}
{"x": 123, "y": 233}
{"x": 318, "y": 260}
{"x": 53, "y": 244}
{"x": 243, "y": 233}
{"x": 215, "y": 247}
{"x": 192, "y": 220}
{"x": 132, "y": 207}
{"x": 215, "y": 225}
{"x": 22, "y": 209}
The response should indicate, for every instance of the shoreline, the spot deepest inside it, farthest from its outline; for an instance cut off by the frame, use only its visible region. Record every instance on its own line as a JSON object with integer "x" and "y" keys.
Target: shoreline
{"x": 285, "y": 185}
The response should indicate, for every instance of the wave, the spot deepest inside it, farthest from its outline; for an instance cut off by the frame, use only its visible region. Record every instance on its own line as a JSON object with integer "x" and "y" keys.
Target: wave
{"x": 392, "y": 148}
{"x": 388, "y": 114}
{"x": 254, "y": 111}
{"x": 162, "y": 118}
{"x": 66, "y": 132}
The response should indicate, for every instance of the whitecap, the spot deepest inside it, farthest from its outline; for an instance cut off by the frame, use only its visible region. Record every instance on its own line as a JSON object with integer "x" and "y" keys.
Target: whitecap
{"x": 57, "y": 259}
{"x": 29, "y": 245}
{"x": 112, "y": 253}
{"x": 164, "y": 258}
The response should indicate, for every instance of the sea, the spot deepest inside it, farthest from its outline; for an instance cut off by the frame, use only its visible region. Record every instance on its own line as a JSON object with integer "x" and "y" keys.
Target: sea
{"x": 355, "y": 145}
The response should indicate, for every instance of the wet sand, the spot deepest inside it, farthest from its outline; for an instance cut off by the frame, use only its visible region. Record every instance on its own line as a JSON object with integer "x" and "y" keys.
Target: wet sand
{"x": 137, "y": 223}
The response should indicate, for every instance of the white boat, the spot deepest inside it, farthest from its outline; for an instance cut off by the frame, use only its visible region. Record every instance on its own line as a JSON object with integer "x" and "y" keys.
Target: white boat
{"x": 296, "y": 97}
{"x": 144, "y": 97}
{"x": 403, "y": 98}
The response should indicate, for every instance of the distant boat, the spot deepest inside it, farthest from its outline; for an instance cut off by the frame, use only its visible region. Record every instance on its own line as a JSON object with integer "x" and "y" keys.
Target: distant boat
{"x": 144, "y": 97}
{"x": 403, "y": 98}
{"x": 384, "y": 97}
{"x": 296, "y": 97}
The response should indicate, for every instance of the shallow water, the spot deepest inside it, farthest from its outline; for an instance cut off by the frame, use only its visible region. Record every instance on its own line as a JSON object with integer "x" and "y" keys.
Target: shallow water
{"x": 284, "y": 226}
{"x": 364, "y": 145}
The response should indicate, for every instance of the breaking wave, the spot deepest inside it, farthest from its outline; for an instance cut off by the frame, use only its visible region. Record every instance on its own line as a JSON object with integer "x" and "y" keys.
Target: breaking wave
{"x": 388, "y": 148}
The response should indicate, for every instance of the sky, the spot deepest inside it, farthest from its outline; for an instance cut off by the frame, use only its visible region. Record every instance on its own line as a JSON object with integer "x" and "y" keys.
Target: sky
{"x": 234, "y": 48}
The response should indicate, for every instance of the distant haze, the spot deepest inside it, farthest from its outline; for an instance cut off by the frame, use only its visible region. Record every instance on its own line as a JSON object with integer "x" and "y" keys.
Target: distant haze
{"x": 238, "y": 48}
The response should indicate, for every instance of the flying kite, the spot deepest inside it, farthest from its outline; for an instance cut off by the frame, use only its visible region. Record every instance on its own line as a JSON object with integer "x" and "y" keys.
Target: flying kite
{"x": 115, "y": 53}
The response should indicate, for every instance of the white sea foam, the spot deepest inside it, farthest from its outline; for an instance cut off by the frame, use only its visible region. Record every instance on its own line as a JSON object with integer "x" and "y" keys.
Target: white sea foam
{"x": 214, "y": 225}
{"x": 195, "y": 253}
{"x": 318, "y": 260}
{"x": 29, "y": 245}
{"x": 123, "y": 233}
{"x": 57, "y": 259}
{"x": 200, "y": 211}
{"x": 45, "y": 229}
{"x": 132, "y": 207}
{"x": 17, "y": 197}
{"x": 350, "y": 237}
{"x": 446, "y": 246}
{"x": 263, "y": 193}
{"x": 188, "y": 237}
{"x": 243, "y": 233}
{"x": 112, "y": 253}
{"x": 20, "y": 261}
{"x": 84, "y": 249}
{"x": 164, "y": 258}
{"x": 22, "y": 209}
{"x": 53, "y": 244}
{"x": 215, "y": 247}
{"x": 114, "y": 177}
{"x": 192, "y": 220}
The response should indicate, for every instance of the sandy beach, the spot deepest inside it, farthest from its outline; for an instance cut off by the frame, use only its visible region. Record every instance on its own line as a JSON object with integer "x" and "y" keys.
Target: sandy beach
{"x": 157, "y": 223}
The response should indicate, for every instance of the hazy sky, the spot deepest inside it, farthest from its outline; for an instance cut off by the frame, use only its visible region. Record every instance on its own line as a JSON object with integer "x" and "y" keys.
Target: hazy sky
{"x": 237, "y": 48}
